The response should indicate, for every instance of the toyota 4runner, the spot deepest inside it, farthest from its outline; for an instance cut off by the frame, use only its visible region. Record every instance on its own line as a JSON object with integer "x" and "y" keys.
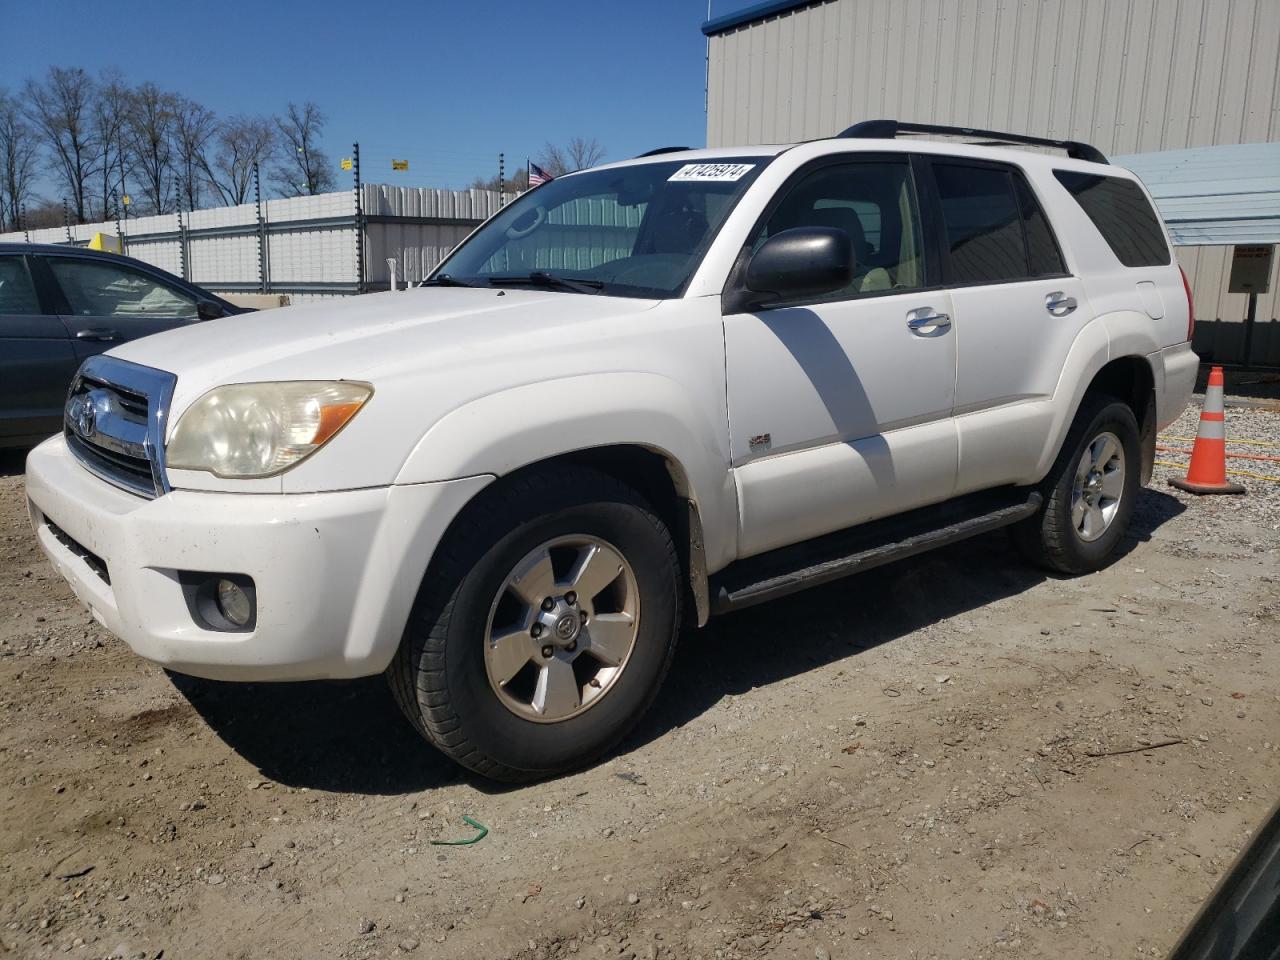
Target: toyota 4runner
{"x": 640, "y": 394}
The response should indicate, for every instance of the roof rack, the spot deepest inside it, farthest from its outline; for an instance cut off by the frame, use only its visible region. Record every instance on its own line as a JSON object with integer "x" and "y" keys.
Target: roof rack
{"x": 657, "y": 150}
{"x": 889, "y": 130}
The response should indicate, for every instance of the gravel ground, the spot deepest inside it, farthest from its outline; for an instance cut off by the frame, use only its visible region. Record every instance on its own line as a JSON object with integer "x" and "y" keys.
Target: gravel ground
{"x": 1251, "y": 430}
{"x": 950, "y": 757}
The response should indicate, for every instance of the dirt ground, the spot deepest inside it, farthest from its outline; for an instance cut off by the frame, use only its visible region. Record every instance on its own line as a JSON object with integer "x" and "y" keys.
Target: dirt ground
{"x": 954, "y": 756}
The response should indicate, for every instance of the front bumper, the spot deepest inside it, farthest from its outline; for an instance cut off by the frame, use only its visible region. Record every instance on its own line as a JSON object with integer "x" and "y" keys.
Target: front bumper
{"x": 335, "y": 573}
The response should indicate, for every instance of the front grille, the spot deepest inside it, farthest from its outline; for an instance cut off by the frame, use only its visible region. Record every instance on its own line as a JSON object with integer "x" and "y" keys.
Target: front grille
{"x": 114, "y": 423}
{"x": 133, "y": 472}
{"x": 95, "y": 562}
{"x": 134, "y": 404}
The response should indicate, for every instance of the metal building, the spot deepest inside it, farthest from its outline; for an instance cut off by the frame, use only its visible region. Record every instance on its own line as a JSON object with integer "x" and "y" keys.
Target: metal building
{"x": 1129, "y": 76}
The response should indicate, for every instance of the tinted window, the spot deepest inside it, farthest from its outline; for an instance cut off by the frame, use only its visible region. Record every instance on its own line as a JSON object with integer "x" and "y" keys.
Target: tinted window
{"x": 1043, "y": 257}
{"x": 1122, "y": 214}
{"x": 995, "y": 230}
{"x": 872, "y": 202}
{"x": 100, "y": 289}
{"x": 17, "y": 294}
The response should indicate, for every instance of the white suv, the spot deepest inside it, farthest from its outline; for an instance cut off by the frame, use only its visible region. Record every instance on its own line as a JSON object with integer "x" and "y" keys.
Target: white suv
{"x": 657, "y": 389}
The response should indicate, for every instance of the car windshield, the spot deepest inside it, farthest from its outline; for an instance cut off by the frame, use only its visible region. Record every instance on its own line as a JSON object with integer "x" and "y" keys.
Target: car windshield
{"x": 634, "y": 231}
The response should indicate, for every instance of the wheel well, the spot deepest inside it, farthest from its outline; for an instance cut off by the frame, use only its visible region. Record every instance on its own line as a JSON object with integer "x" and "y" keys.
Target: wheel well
{"x": 662, "y": 482}
{"x": 1129, "y": 380}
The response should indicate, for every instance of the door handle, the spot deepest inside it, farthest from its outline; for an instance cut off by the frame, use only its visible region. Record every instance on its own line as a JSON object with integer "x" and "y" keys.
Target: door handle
{"x": 1059, "y": 304}
{"x": 926, "y": 320}
{"x": 97, "y": 333}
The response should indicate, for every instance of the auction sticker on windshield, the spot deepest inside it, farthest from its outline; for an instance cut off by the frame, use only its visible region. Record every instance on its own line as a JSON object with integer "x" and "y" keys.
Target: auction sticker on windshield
{"x": 712, "y": 171}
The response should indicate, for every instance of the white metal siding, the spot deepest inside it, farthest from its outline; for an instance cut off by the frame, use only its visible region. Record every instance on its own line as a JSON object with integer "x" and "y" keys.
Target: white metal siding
{"x": 310, "y": 240}
{"x": 1129, "y": 76}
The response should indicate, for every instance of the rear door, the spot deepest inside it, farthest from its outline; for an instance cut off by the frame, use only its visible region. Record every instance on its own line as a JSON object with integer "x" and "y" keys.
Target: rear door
{"x": 1017, "y": 312}
{"x": 105, "y": 302}
{"x": 37, "y": 360}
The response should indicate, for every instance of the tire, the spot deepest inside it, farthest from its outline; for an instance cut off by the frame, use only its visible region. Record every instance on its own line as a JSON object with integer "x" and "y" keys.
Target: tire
{"x": 1054, "y": 537}
{"x": 448, "y": 673}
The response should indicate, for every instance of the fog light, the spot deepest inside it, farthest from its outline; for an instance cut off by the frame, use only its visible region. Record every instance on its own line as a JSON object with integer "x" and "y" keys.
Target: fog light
{"x": 234, "y": 603}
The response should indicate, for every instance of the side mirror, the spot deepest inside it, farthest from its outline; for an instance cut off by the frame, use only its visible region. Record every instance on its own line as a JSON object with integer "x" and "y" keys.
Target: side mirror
{"x": 801, "y": 262}
{"x": 208, "y": 310}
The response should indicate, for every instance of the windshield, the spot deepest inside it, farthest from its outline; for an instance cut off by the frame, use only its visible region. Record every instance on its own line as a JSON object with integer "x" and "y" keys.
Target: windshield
{"x": 637, "y": 231}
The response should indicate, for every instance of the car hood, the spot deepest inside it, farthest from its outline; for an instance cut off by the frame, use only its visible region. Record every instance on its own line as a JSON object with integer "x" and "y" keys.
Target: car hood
{"x": 378, "y": 338}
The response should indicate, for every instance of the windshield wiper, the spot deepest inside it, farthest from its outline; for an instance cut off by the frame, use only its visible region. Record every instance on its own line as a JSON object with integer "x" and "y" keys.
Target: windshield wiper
{"x": 444, "y": 280}
{"x": 540, "y": 278}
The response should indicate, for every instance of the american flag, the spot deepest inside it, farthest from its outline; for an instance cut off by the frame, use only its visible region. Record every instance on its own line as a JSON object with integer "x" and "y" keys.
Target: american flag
{"x": 538, "y": 176}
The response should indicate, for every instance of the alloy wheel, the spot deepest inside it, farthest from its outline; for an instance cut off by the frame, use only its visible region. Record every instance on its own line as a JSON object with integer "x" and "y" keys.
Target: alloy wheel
{"x": 562, "y": 628}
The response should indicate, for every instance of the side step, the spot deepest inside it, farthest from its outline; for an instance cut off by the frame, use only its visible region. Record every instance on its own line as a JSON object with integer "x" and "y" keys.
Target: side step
{"x": 794, "y": 568}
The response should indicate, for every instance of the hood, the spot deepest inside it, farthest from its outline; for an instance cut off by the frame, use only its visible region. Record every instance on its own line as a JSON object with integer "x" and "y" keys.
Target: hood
{"x": 375, "y": 338}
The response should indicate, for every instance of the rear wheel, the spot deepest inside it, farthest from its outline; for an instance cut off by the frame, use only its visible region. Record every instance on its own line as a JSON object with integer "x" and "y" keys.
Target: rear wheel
{"x": 1090, "y": 492}
{"x": 544, "y": 627}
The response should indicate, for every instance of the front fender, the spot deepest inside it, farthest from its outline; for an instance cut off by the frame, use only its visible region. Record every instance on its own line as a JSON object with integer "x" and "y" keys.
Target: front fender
{"x": 514, "y": 428}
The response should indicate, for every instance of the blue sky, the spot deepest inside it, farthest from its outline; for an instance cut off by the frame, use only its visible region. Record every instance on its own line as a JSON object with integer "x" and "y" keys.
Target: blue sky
{"x": 443, "y": 85}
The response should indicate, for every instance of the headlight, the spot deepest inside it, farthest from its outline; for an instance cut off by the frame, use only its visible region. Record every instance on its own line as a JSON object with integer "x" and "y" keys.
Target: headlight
{"x": 261, "y": 429}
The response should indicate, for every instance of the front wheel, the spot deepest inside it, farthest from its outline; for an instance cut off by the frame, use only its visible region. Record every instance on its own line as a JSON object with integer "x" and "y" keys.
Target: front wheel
{"x": 1090, "y": 492}
{"x": 545, "y": 627}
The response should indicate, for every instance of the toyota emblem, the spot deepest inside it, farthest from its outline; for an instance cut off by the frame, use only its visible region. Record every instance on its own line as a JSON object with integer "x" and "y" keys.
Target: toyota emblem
{"x": 83, "y": 412}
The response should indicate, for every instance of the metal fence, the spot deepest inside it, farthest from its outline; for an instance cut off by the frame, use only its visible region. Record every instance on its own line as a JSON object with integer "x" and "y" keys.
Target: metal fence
{"x": 307, "y": 247}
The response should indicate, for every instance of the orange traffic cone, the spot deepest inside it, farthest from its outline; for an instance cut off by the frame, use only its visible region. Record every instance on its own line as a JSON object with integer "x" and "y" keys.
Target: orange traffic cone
{"x": 1208, "y": 470}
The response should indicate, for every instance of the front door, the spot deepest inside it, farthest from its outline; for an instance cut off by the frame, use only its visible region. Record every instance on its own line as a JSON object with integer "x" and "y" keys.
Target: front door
{"x": 37, "y": 360}
{"x": 839, "y": 409}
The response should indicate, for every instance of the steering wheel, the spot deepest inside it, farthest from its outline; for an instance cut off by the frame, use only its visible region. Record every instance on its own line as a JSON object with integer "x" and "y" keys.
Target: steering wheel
{"x": 537, "y": 218}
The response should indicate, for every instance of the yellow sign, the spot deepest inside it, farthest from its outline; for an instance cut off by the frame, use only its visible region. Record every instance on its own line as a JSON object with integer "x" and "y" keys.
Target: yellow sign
{"x": 126, "y": 200}
{"x": 105, "y": 241}
{"x": 399, "y": 164}
{"x": 346, "y": 163}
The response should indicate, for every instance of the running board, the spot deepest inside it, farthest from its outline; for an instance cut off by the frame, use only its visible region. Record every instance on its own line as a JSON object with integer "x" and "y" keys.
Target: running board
{"x": 794, "y": 568}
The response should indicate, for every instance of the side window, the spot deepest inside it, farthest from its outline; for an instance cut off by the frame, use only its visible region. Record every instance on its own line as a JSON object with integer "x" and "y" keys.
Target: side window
{"x": 17, "y": 292}
{"x": 100, "y": 289}
{"x": 989, "y": 237}
{"x": 874, "y": 203}
{"x": 1122, "y": 214}
{"x": 1044, "y": 259}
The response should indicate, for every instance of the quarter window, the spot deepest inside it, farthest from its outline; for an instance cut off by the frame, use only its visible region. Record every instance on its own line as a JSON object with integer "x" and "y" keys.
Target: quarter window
{"x": 995, "y": 230}
{"x": 875, "y": 204}
{"x": 17, "y": 293}
{"x": 96, "y": 289}
{"x": 1122, "y": 214}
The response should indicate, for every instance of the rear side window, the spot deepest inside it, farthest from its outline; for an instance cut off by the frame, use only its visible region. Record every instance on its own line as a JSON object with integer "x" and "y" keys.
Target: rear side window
{"x": 995, "y": 230}
{"x": 17, "y": 295}
{"x": 1122, "y": 214}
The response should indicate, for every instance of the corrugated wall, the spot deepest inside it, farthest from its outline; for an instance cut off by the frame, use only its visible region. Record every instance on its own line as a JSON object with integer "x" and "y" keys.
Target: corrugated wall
{"x": 418, "y": 226}
{"x": 1129, "y": 76}
{"x": 311, "y": 241}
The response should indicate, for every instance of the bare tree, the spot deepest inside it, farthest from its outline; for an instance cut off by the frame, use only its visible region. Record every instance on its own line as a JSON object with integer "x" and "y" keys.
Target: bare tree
{"x": 17, "y": 162}
{"x": 110, "y": 116}
{"x": 585, "y": 153}
{"x": 239, "y": 143}
{"x": 516, "y": 182}
{"x": 44, "y": 213}
{"x": 60, "y": 110}
{"x": 304, "y": 169}
{"x": 578, "y": 154}
{"x": 151, "y": 123}
{"x": 194, "y": 128}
